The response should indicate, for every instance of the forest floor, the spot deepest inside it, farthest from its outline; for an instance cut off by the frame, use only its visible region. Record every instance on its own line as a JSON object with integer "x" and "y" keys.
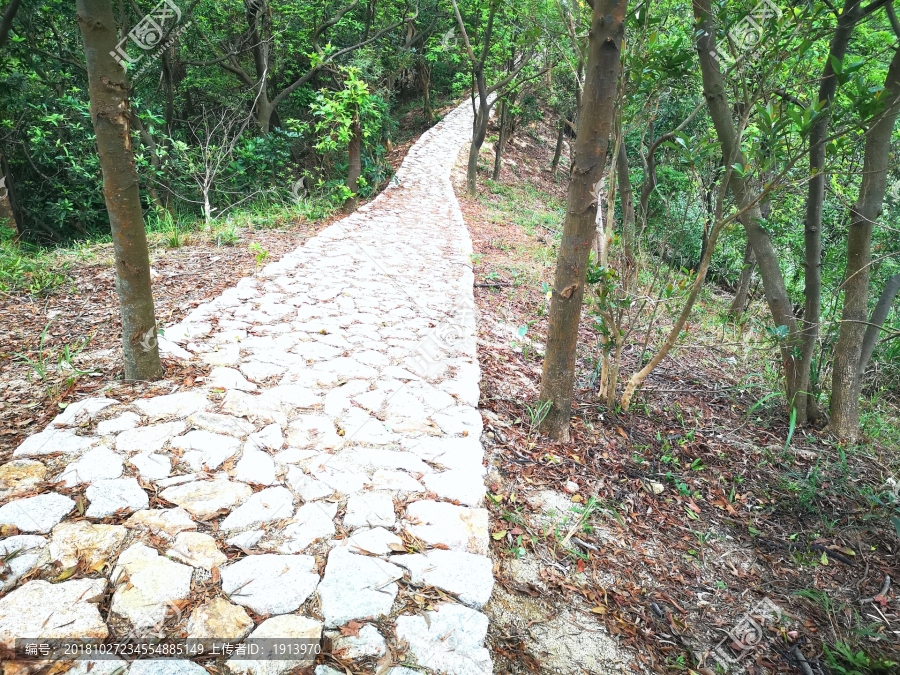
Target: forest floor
{"x": 694, "y": 532}
{"x": 64, "y": 346}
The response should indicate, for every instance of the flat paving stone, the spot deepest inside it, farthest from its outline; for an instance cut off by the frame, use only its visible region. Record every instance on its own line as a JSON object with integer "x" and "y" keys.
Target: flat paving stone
{"x": 457, "y": 527}
{"x": 84, "y": 542}
{"x": 368, "y": 642}
{"x": 218, "y": 619}
{"x": 65, "y": 610}
{"x": 448, "y": 639}
{"x": 376, "y": 540}
{"x": 468, "y": 576}
{"x": 274, "y": 503}
{"x": 370, "y": 509}
{"x": 20, "y": 476}
{"x": 148, "y": 439}
{"x": 98, "y": 464}
{"x": 53, "y": 440}
{"x": 161, "y": 522}
{"x": 151, "y": 465}
{"x": 270, "y": 583}
{"x": 197, "y": 550}
{"x": 204, "y": 499}
{"x": 107, "y": 497}
{"x": 36, "y": 514}
{"x": 356, "y": 587}
{"x": 305, "y": 631}
{"x": 310, "y": 522}
{"x": 255, "y": 466}
{"x": 172, "y": 406}
{"x": 19, "y": 555}
{"x": 146, "y": 585}
{"x": 227, "y": 425}
{"x": 127, "y": 420}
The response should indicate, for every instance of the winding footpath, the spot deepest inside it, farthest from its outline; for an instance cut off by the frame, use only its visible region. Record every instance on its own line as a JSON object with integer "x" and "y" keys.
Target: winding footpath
{"x": 327, "y": 474}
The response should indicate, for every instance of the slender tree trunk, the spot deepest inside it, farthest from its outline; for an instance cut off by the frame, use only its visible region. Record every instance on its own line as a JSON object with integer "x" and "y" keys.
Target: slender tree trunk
{"x": 501, "y": 141}
{"x": 742, "y": 294}
{"x": 110, "y": 115}
{"x": 627, "y": 196}
{"x": 596, "y": 121}
{"x": 425, "y": 79}
{"x": 812, "y": 231}
{"x": 638, "y": 378}
{"x": 355, "y": 170}
{"x": 766, "y": 256}
{"x": 846, "y": 382}
{"x": 876, "y": 321}
{"x": 9, "y": 206}
{"x": 478, "y": 136}
{"x": 559, "y": 144}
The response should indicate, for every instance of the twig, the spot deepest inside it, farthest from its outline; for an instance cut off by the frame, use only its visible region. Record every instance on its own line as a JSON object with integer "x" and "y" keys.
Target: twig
{"x": 883, "y": 594}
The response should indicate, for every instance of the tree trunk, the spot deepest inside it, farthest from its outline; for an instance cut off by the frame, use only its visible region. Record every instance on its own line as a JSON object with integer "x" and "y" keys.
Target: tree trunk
{"x": 478, "y": 134}
{"x": 846, "y": 383}
{"x": 425, "y": 79}
{"x": 109, "y": 112}
{"x": 876, "y": 321}
{"x": 596, "y": 120}
{"x": 355, "y": 170}
{"x": 6, "y": 20}
{"x": 766, "y": 256}
{"x": 627, "y": 197}
{"x": 501, "y": 141}
{"x": 559, "y": 144}
{"x": 812, "y": 231}
{"x": 9, "y": 206}
{"x": 742, "y": 294}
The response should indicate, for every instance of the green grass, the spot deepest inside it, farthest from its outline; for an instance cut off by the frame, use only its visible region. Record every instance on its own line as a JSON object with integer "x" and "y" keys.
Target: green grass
{"x": 28, "y": 269}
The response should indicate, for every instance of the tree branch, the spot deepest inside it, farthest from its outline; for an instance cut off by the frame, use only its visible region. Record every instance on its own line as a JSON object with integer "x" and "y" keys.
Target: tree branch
{"x": 7, "y": 19}
{"x": 309, "y": 75}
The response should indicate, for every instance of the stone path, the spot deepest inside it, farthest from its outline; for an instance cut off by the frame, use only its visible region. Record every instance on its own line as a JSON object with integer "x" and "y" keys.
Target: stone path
{"x": 328, "y": 471}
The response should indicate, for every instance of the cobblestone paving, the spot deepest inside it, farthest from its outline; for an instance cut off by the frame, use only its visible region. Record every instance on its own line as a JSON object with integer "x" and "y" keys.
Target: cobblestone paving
{"x": 333, "y": 454}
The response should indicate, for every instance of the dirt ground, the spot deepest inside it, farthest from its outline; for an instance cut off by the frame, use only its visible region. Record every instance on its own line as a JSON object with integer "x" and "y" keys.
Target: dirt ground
{"x": 685, "y": 535}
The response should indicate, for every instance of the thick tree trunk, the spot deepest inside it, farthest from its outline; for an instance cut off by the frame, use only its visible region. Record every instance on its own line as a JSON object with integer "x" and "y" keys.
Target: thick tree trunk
{"x": 109, "y": 112}
{"x": 766, "y": 256}
{"x": 876, "y": 321}
{"x": 596, "y": 121}
{"x": 501, "y": 141}
{"x": 845, "y": 383}
{"x": 355, "y": 170}
{"x": 742, "y": 294}
{"x": 559, "y": 144}
{"x": 812, "y": 231}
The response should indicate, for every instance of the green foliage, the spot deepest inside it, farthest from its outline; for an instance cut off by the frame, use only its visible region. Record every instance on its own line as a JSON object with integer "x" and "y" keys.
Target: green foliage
{"x": 27, "y": 269}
